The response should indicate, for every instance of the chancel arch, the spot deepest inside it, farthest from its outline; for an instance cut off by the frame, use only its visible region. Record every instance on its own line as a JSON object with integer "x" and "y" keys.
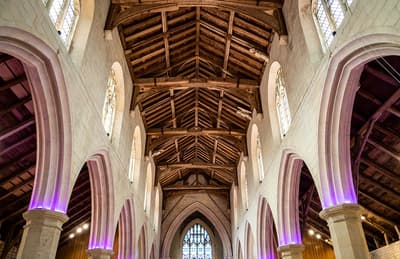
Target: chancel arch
{"x": 215, "y": 219}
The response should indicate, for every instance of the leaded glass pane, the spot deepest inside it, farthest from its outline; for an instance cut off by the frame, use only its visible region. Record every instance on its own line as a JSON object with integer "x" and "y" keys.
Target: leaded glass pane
{"x": 197, "y": 244}
{"x": 336, "y": 12}
{"x": 323, "y": 23}
{"x": 68, "y": 22}
{"x": 55, "y": 10}
{"x": 260, "y": 160}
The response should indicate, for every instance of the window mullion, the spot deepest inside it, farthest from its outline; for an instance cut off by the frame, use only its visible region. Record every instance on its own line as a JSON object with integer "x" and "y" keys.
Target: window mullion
{"x": 328, "y": 13}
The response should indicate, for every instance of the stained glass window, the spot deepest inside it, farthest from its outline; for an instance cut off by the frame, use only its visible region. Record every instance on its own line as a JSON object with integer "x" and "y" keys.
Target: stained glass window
{"x": 282, "y": 105}
{"x": 64, "y": 15}
{"x": 329, "y": 15}
{"x": 110, "y": 102}
{"x": 197, "y": 244}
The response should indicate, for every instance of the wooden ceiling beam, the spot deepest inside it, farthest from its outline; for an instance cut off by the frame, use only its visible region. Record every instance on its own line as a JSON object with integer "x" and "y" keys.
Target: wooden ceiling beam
{"x": 381, "y": 203}
{"x": 21, "y": 141}
{"x": 196, "y": 165}
{"x": 17, "y": 187}
{"x": 253, "y": 10}
{"x": 386, "y": 172}
{"x": 7, "y": 132}
{"x": 385, "y": 148}
{"x": 192, "y": 188}
{"x": 165, "y": 83}
{"x": 197, "y": 40}
{"x": 18, "y": 104}
{"x": 195, "y": 132}
{"x": 10, "y": 83}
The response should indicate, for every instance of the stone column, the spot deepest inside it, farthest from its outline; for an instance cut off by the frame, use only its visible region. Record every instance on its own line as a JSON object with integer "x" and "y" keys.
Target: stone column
{"x": 291, "y": 251}
{"x": 348, "y": 237}
{"x": 99, "y": 253}
{"x": 41, "y": 234}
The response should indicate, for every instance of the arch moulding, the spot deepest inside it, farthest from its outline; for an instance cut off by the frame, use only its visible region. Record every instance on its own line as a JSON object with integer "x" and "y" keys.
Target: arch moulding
{"x": 209, "y": 214}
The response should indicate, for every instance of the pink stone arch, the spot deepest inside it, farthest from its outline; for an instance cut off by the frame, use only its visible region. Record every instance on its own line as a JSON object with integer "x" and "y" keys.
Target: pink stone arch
{"x": 127, "y": 231}
{"x": 52, "y": 115}
{"x": 288, "y": 198}
{"x": 102, "y": 191}
{"x": 210, "y": 215}
{"x": 267, "y": 245}
{"x": 142, "y": 245}
{"x": 338, "y": 96}
{"x": 250, "y": 247}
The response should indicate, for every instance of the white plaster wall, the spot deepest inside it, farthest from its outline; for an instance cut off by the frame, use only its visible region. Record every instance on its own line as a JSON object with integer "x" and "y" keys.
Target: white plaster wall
{"x": 305, "y": 69}
{"x": 86, "y": 81}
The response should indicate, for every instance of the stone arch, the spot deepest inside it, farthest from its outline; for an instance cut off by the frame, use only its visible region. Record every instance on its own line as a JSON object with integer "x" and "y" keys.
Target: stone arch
{"x": 127, "y": 230}
{"x": 338, "y": 97}
{"x": 288, "y": 202}
{"x": 310, "y": 32}
{"x": 142, "y": 243}
{"x": 210, "y": 215}
{"x": 250, "y": 247}
{"x": 102, "y": 191}
{"x": 50, "y": 99}
{"x": 267, "y": 243}
{"x": 239, "y": 252}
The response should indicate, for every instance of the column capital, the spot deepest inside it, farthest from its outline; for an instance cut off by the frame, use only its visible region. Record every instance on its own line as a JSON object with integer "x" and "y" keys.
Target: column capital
{"x": 45, "y": 217}
{"x": 99, "y": 252}
{"x": 341, "y": 212}
{"x": 292, "y": 248}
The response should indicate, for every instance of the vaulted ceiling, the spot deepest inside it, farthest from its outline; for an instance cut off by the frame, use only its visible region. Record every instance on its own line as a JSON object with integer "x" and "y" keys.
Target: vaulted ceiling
{"x": 196, "y": 68}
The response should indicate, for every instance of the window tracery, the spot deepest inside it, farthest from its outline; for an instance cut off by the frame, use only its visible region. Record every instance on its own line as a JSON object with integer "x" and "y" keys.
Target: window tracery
{"x": 110, "y": 102}
{"x": 197, "y": 244}
{"x": 64, "y": 15}
{"x": 282, "y": 105}
{"x": 329, "y": 15}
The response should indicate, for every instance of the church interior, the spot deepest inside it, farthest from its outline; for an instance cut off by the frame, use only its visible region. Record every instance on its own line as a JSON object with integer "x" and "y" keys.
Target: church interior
{"x": 199, "y": 129}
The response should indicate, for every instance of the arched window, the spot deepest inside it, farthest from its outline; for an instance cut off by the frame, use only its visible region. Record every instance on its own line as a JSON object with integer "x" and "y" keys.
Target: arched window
{"x": 148, "y": 189}
{"x": 197, "y": 243}
{"x": 132, "y": 162}
{"x": 282, "y": 104}
{"x": 260, "y": 163}
{"x": 110, "y": 102}
{"x": 64, "y": 15}
{"x": 243, "y": 186}
{"x": 329, "y": 15}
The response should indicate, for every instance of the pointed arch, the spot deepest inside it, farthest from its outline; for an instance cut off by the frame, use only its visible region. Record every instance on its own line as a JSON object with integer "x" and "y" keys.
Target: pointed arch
{"x": 338, "y": 96}
{"x": 288, "y": 202}
{"x": 126, "y": 241}
{"x": 273, "y": 115}
{"x": 210, "y": 215}
{"x": 267, "y": 242}
{"x": 142, "y": 243}
{"x": 103, "y": 225}
{"x": 116, "y": 68}
{"x": 49, "y": 94}
{"x": 250, "y": 247}
{"x": 243, "y": 186}
{"x": 239, "y": 252}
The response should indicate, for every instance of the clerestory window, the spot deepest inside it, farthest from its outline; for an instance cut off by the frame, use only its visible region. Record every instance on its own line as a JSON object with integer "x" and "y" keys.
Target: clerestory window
{"x": 110, "y": 102}
{"x": 64, "y": 15}
{"x": 329, "y": 15}
{"x": 282, "y": 105}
